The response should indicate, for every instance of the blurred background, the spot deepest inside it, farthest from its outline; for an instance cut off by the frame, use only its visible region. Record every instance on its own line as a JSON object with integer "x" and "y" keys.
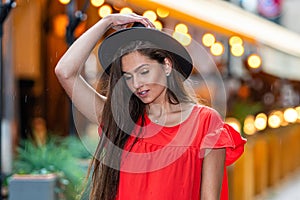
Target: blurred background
{"x": 255, "y": 49}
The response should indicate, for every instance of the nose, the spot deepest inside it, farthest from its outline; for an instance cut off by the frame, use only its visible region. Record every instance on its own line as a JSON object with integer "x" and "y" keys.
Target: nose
{"x": 136, "y": 82}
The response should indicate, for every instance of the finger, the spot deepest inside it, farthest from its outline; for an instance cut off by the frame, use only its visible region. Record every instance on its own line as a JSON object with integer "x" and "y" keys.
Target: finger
{"x": 119, "y": 27}
{"x": 138, "y": 18}
{"x": 145, "y": 21}
{"x": 148, "y": 23}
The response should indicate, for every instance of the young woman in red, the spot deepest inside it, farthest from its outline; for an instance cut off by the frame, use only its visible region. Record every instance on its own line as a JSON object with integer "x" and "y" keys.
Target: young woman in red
{"x": 156, "y": 141}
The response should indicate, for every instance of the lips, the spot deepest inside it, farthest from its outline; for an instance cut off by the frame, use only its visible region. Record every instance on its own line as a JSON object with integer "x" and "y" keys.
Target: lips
{"x": 142, "y": 93}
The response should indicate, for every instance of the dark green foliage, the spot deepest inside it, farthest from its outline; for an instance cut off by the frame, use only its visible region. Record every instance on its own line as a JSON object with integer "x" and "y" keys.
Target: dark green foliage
{"x": 59, "y": 156}
{"x": 241, "y": 109}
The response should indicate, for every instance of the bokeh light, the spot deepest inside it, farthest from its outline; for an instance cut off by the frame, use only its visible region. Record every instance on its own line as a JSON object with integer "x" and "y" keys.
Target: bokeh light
{"x": 97, "y": 3}
{"x": 217, "y": 49}
{"x": 64, "y": 1}
{"x": 234, "y": 123}
{"x": 151, "y": 15}
{"x": 181, "y": 28}
{"x": 254, "y": 61}
{"x": 260, "y": 121}
{"x": 249, "y": 127}
{"x": 275, "y": 119}
{"x": 298, "y": 111}
{"x": 184, "y": 39}
{"x": 158, "y": 25}
{"x": 235, "y": 40}
{"x": 290, "y": 115}
{"x": 126, "y": 10}
{"x": 163, "y": 13}
{"x": 237, "y": 50}
{"x": 60, "y": 23}
{"x": 208, "y": 39}
{"x": 104, "y": 10}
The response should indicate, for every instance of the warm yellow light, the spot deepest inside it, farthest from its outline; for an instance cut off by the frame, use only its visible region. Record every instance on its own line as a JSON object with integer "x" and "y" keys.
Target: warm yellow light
{"x": 104, "y": 11}
{"x": 64, "y": 1}
{"x": 157, "y": 25}
{"x": 249, "y": 127}
{"x": 126, "y": 10}
{"x": 260, "y": 121}
{"x": 97, "y": 3}
{"x": 275, "y": 119}
{"x": 60, "y": 23}
{"x": 217, "y": 49}
{"x": 234, "y": 123}
{"x": 284, "y": 123}
{"x": 290, "y": 115}
{"x": 208, "y": 39}
{"x": 181, "y": 28}
{"x": 254, "y": 61}
{"x": 151, "y": 15}
{"x": 235, "y": 40}
{"x": 163, "y": 13}
{"x": 237, "y": 50}
{"x": 298, "y": 111}
{"x": 184, "y": 39}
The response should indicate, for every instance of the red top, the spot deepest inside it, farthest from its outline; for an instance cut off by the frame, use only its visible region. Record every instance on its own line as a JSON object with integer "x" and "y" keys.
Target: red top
{"x": 165, "y": 163}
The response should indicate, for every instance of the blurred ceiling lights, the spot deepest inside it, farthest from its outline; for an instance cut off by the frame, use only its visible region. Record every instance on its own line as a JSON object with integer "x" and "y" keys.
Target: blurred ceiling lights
{"x": 97, "y": 3}
{"x": 163, "y": 13}
{"x": 254, "y": 61}
{"x": 126, "y": 10}
{"x": 208, "y": 39}
{"x": 233, "y": 20}
{"x": 151, "y": 15}
{"x": 104, "y": 10}
{"x": 64, "y": 1}
{"x": 217, "y": 49}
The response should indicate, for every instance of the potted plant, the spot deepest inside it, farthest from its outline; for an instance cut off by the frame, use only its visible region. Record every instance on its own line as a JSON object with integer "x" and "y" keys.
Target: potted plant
{"x": 54, "y": 161}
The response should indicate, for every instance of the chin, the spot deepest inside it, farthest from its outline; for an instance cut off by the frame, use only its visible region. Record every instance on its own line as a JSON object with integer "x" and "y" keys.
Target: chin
{"x": 146, "y": 100}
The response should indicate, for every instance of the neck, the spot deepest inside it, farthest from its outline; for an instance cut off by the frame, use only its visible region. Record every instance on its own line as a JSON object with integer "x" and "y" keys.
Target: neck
{"x": 158, "y": 113}
{"x": 160, "y": 109}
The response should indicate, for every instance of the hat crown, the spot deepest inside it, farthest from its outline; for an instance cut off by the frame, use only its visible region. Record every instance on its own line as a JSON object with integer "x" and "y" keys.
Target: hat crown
{"x": 138, "y": 32}
{"x": 138, "y": 24}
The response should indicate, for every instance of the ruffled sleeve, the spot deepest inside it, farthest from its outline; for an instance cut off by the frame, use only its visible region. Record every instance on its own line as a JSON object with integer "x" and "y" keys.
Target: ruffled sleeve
{"x": 221, "y": 135}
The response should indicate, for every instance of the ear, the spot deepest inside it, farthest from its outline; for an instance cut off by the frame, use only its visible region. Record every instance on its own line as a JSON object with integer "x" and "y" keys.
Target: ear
{"x": 168, "y": 66}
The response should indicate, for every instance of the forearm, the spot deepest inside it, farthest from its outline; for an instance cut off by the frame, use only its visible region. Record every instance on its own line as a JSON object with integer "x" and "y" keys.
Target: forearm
{"x": 84, "y": 97}
{"x": 212, "y": 174}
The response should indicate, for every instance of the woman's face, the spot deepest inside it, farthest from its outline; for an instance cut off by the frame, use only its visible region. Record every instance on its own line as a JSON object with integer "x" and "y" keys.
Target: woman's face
{"x": 145, "y": 77}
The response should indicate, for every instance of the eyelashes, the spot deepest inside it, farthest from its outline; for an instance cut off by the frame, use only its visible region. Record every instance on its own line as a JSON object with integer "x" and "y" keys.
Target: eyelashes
{"x": 143, "y": 73}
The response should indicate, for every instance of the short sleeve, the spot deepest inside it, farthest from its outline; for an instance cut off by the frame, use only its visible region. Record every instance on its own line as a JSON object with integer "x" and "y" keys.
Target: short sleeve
{"x": 221, "y": 135}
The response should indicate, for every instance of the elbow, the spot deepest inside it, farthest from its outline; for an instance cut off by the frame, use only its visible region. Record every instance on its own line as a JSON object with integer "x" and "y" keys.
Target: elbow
{"x": 61, "y": 71}
{"x": 58, "y": 71}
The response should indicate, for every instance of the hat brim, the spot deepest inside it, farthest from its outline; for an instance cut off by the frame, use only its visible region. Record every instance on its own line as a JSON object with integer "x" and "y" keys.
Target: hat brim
{"x": 111, "y": 44}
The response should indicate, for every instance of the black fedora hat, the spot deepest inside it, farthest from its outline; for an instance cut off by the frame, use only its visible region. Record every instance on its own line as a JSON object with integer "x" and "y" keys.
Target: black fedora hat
{"x": 112, "y": 43}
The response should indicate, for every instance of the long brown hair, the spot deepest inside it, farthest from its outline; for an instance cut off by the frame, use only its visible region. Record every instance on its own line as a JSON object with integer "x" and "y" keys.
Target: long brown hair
{"x": 114, "y": 122}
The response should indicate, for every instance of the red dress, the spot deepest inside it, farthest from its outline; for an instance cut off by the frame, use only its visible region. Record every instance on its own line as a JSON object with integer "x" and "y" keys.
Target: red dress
{"x": 165, "y": 163}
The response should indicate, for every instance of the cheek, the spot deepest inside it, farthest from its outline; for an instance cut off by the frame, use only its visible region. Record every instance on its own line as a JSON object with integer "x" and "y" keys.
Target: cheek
{"x": 129, "y": 85}
{"x": 160, "y": 80}
{"x": 157, "y": 84}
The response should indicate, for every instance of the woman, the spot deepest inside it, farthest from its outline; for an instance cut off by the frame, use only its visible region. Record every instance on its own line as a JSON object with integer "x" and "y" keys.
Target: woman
{"x": 156, "y": 142}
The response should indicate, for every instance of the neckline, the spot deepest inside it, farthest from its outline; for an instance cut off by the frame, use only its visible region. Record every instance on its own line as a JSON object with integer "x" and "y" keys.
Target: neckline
{"x": 149, "y": 121}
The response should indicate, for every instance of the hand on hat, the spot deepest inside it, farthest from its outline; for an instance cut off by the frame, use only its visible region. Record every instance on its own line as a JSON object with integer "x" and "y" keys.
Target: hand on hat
{"x": 121, "y": 21}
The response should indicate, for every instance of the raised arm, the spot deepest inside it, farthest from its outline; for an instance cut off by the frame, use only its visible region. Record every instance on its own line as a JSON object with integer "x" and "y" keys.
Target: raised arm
{"x": 212, "y": 174}
{"x": 68, "y": 69}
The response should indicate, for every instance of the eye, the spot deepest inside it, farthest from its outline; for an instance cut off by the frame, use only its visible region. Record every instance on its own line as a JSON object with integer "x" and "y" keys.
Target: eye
{"x": 127, "y": 77}
{"x": 144, "y": 71}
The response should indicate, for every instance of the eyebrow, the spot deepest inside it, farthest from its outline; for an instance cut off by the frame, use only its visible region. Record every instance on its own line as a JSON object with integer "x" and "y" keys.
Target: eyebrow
{"x": 137, "y": 69}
